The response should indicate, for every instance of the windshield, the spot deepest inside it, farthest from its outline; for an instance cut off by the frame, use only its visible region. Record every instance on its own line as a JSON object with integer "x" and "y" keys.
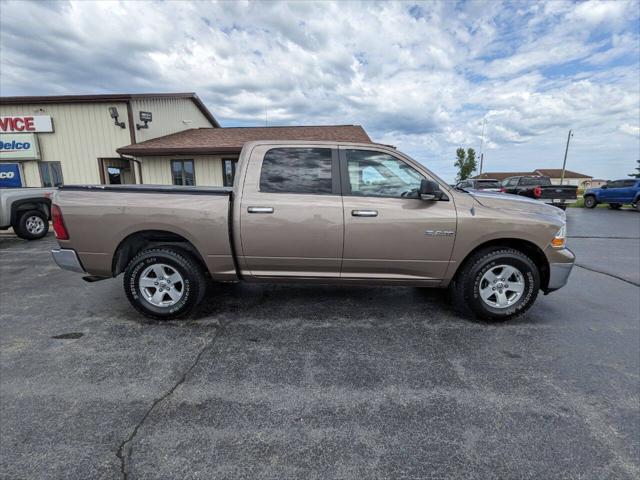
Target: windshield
{"x": 531, "y": 181}
{"x": 488, "y": 184}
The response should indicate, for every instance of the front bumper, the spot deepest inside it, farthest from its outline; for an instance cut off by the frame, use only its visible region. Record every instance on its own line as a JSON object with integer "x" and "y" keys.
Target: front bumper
{"x": 67, "y": 259}
{"x": 559, "y": 271}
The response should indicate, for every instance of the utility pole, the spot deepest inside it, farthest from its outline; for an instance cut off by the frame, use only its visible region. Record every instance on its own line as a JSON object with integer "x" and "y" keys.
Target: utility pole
{"x": 481, "y": 146}
{"x": 564, "y": 163}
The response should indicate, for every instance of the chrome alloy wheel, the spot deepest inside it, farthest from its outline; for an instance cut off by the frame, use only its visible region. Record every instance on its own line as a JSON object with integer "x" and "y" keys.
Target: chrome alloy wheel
{"x": 161, "y": 285}
{"x": 34, "y": 225}
{"x": 501, "y": 286}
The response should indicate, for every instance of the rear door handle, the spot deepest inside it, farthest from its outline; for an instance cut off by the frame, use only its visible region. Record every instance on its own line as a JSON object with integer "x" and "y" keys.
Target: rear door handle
{"x": 364, "y": 213}
{"x": 260, "y": 209}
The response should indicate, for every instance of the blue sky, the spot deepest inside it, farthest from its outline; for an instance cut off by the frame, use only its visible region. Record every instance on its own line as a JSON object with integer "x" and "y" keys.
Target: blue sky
{"x": 421, "y": 76}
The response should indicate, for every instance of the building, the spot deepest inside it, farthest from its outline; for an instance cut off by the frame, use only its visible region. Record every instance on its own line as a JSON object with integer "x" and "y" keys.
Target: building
{"x": 50, "y": 140}
{"x": 570, "y": 178}
{"x": 169, "y": 138}
{"x": 207, "y": 156}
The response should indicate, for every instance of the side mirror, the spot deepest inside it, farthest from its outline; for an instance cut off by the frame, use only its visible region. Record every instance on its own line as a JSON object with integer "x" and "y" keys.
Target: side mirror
{"x": 430, "y": 190}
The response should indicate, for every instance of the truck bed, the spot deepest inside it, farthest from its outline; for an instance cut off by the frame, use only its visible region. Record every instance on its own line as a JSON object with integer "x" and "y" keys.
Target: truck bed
{"x": 99, "y": 218}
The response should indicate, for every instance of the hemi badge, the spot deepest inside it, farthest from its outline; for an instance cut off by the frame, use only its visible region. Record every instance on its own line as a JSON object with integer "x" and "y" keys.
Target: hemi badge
{"x": 440, "y": 233}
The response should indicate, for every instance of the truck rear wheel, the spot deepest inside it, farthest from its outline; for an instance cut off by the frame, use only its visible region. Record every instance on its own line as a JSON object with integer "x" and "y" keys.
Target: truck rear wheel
{"x": 164, "y": 283}
{"x": 496, "y": 284}
{"x": 32, "y": 225}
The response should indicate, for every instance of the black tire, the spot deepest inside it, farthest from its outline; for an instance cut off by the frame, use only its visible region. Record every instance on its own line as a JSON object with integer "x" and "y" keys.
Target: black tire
{"x": 465, "y": 289}
{"x": 32, "y": 225}
{"x": 590, "y": 201}
{"x": 615, "y": 206}
{"x": 192, "y": 290}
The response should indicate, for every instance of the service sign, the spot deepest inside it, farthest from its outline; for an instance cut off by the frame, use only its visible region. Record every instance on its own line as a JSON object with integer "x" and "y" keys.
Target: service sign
{"x": 10, "y": 175}
{"x": 22, "y": 146}
{"x": 26, "y": 124}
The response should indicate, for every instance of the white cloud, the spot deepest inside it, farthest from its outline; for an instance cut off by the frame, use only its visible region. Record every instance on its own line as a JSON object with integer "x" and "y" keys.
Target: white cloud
{"x": 420, "y": 76}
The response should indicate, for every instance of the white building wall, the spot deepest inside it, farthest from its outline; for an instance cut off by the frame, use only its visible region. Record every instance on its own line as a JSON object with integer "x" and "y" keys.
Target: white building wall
{"x": 170, "y": 115}
{"x": 82, "y": 134}
{"x": 208, "y": 169}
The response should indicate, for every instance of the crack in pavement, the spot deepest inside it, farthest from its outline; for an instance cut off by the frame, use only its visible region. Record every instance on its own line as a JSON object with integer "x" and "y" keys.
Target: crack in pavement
{"x": 124, "y": 449}
{"x": 631, "y": 282}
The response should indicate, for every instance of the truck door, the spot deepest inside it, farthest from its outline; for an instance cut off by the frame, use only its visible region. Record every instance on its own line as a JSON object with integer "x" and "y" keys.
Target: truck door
{"x": 390, "y": 233}
{"x": 291, "y": 221}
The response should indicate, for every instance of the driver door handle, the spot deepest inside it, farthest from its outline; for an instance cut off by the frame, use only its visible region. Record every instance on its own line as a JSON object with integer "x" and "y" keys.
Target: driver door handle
{"x": 364, "y": 213}
{"x": 260, "y": 209}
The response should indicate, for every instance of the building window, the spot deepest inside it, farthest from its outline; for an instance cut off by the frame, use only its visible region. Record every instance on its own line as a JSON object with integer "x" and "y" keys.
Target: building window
{"x": 182, "y": 172}
{"x": 50, "y": 174}
{"x": 228, "y": 171}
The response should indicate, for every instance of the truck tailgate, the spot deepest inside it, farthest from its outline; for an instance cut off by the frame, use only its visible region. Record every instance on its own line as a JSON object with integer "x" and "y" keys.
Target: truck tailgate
{"x": 98, "y": 219}
{"x": 561, "y": 192}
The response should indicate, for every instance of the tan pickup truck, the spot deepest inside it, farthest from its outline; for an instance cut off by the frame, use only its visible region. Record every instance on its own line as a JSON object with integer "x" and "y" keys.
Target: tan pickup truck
{"x": 325, "y": 212}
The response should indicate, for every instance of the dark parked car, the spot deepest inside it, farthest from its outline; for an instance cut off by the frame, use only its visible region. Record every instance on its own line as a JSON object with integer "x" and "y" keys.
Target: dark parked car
{"x": 487, "y": 184}
{"x": 616, "y": 193}
{"x": 541, "y": 188}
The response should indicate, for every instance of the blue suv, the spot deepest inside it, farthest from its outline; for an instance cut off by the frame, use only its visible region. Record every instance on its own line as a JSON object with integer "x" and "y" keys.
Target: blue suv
{"x": 616, "y": 193}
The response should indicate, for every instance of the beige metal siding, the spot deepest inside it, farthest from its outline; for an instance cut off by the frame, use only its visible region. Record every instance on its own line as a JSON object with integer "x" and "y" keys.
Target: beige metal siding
{"x": 170, "y": 115}
{"x": 82, "y": 134}
{"x": 208, "y": 169}
{"x": 31, "y": 174}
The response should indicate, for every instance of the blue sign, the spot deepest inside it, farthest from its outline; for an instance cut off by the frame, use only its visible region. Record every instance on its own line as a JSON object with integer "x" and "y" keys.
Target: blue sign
{"x": 10, "y": 175}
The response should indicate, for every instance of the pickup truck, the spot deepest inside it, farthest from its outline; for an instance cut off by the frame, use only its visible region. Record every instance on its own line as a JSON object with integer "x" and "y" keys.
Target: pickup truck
{"x": 616, "y": 193}
{"x": 541, "y": 188}
{"x": 324, "y": 212}
{"x": 27, "y": 210}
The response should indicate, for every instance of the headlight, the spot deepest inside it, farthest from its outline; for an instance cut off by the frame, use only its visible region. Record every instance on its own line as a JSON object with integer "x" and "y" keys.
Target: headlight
{"x": 560, "y": 239}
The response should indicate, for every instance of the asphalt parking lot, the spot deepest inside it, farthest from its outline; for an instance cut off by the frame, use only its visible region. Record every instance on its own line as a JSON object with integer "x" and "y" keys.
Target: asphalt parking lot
{"x": 323, "y": 382}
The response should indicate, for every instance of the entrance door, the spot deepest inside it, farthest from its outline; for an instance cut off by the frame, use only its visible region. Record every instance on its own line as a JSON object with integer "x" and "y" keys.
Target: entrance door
{"x": 291, "y": 221}
{"x": 116, "y": 171}
{"x": 390, "y": 233}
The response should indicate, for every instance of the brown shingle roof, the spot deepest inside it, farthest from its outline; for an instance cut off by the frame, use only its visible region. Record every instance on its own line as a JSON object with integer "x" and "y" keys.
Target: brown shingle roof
{"x": 230, "y": 140}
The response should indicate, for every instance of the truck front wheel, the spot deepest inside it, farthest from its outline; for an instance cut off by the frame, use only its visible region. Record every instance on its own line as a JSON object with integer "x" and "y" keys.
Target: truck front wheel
{"x": 496, "y": 284}
{"x": 164, "y": 283}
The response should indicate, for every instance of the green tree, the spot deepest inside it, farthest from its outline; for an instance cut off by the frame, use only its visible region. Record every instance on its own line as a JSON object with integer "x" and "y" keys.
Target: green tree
{"x": 637, "y": 174}
{"x": 465, "y": 162}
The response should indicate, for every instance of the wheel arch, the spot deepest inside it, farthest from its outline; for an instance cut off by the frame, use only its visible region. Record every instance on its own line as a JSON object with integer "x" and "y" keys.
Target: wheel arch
{"x": 135, "y": 242}
{"x": 529, "y": 248}
{"x": 36, "y": 203}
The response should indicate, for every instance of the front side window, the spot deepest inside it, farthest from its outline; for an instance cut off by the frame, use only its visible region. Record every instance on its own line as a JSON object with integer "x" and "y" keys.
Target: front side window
{"x": 182, "y": 172}
{"x": 377, "y": 174}
{"x": 297, "y": 170}
{"x": 51, "y": 174}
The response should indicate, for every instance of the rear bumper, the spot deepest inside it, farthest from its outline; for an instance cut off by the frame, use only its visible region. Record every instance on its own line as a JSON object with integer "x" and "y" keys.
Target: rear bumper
{"x": 559, "y": 271}
{"x": 67, "y": 259}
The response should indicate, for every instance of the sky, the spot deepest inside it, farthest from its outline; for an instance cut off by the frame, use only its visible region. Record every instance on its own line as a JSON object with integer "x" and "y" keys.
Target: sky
{"x": 422, "y": 76}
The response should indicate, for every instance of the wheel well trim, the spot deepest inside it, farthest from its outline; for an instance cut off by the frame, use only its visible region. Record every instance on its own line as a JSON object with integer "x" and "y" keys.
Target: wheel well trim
{"x": 149, "y": 238}
{"x": 35, "y": 203}
{"x": 526, "y": 247}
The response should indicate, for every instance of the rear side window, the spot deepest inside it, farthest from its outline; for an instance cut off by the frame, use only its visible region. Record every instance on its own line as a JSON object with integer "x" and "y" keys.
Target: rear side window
{"x": 296, "y": 170}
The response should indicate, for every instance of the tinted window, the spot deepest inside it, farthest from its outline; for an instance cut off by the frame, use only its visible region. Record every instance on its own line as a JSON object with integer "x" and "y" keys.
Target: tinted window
{"x": 628, "y": 183}
{"x": 296, "y": 170}
{"x": 510, "y": 182}
{"x": 182, "y": 172}
{"x": 533, "y": 181}
{"x": 614, "y": 184}
{"x": 487, "y": 184}
{"x": 376, "y": 174}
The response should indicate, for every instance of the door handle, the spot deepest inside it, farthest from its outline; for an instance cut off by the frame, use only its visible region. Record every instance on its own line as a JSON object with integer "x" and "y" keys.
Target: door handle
{"x": 260, "y": 209}
{"x": 364, "y": 213}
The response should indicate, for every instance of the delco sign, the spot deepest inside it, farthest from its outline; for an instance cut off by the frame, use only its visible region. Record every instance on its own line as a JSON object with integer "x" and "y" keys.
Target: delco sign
{"x": 19, "y": 147}
{"x": 10, "y": 175}
{"x": 26, "y": 124}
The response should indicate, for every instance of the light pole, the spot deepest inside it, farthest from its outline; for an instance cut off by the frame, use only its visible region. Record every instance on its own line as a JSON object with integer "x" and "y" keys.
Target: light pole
{"x": 564, "y": 163}
{"x": 484, "y": 120}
